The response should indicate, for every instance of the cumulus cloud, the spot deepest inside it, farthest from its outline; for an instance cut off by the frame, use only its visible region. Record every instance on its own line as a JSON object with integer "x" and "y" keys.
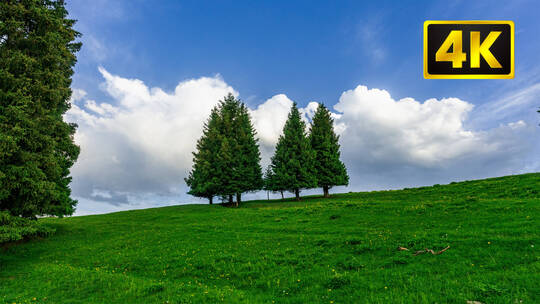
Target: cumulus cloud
{"x": 406, "y": 130}
{"x": 142, "y": 144}
{"x": 393, "y": 143}
{"x": 269, "y": 118}
{"x": 136, "y": 150}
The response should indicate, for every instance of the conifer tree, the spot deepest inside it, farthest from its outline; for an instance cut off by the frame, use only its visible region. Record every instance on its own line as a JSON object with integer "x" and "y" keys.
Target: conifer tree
{"x": 241, "y": 157}
{"x": 226, "y": 161}
{"x": 205, "y": 178}
{"x": 248, "y": 173}
{"x": 37, "y": 55}
{"x": 271, "y": 183}
{"x": 267, "y": 178}
{"x": 229, "y": 164}
{"x": 292, "y": 163}
{"x": 329, "y": 169}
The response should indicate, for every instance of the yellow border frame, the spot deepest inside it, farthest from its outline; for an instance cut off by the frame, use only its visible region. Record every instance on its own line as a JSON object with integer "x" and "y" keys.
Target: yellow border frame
{"x": 471, "y": 76}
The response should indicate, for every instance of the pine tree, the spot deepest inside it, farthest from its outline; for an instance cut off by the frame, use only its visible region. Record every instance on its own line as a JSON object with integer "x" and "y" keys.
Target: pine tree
{"x": 227, "y": 159}
{"x": 292, "y": 163}
{"x": 267, "y": 179}
{"x": 270, "y": 182}
{"x": 241, "y": 155}
{"x": 205, "y": 178}
{"x": 325, "y": 144}
{"x": 248, "y": 156}
{"x": 37, "y": 55}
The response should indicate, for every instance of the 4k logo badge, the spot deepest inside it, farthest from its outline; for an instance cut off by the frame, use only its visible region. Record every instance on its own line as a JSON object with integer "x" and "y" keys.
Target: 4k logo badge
{"x": 468, "y": 49}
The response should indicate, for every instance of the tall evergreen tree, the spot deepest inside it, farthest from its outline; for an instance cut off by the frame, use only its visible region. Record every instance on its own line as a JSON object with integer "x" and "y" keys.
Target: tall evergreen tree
{"x": 325, "y": 144}
{"x": 205, "y": 178}
{"x": 37, "y": 55}
{"x": 227, "y": 159}
{"x": 241, "y": 157}
{"x": 292, "y": 163}
{"x": 248, "y": 157}
{"x": 271, "y": 183}
{"x": 227, "y": 162}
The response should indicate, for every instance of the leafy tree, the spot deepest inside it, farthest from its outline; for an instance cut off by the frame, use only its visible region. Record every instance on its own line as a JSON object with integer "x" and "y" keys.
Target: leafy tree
{"x": 205, "y": 177}
{"x": 292, "y": 163}
{"x": 325, "y": 144}
{"x": 37, "y": 55}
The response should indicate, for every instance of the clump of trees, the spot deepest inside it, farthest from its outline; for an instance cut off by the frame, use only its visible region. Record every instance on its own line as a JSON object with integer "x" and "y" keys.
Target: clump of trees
{"x": 304, "y": 161}
{"x": 227, "y": 158}
{"x": 292, "y": 167}
{"x": 37, "y": 55}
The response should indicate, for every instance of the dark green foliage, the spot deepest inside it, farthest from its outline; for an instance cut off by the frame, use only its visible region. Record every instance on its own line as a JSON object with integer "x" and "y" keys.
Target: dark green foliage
{"x": 267, "y": 179}
{"x": 205, "y": 178}
{"x": 325, "y": 144}
{"x": 293, "y": 252}
{"x": 248, "y": 172}
{"x": 292, "y": 163}
{"x": 37, "y": 55}
{"x": 15, "y": 228}
{"x": 226, "y": 162}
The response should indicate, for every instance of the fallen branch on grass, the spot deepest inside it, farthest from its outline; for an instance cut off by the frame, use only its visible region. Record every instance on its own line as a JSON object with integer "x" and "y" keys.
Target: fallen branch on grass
{"x": 424, "y": 251}
{"x": 431, "y": 250}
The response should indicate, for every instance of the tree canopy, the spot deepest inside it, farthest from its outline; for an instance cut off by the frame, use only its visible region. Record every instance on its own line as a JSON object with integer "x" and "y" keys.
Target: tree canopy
{"x": 37, "y": 55}
{"x": 227, "y": 159}
{"x": 330, "y": 171}
{"x": 292, "y": 165}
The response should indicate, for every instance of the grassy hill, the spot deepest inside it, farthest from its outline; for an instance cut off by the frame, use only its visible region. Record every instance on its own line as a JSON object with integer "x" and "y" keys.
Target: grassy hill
{"x": 337, "y": 250}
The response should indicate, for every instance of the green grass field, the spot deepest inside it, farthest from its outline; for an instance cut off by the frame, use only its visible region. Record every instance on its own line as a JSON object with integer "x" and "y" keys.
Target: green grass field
{"x": 337, "y": 250}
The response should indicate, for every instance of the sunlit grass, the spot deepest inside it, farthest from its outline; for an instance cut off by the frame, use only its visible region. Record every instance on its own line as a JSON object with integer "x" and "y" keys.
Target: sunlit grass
{"x": 337, "y": 250}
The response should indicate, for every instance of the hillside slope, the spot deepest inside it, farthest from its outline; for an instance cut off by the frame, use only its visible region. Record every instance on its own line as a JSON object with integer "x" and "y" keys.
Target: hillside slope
{"x": 337, "y": 250}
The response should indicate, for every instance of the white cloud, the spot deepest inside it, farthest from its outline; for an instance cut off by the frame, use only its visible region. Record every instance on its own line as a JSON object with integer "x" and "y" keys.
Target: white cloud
{"x": 96, "y": 48}
{"x": 77, "y": 95}
{"x": 269, "y": 118}
{"x": 392, "y": 143}
{"x": 142, "y": 144}
{"x": 520, "y": 103}
{"x": 136, "y": 150}
{"x": 406, "y": 130}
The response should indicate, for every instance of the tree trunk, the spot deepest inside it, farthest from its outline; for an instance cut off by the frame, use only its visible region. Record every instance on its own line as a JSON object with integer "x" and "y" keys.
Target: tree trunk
{"x": 268, "y": 195}
{"x": 210, "y": 199}
{"x": 281, "y": 194}
{"x": 238, "y": 198}
{"x": 297, "y": 194}
{"x": 325, "y": 189}
{"x": 230, "y": 199}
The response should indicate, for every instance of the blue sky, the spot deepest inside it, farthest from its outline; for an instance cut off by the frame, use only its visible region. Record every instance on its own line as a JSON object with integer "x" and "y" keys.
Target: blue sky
{"x": 313, "y": 50}
{"x": 310, "y": 51}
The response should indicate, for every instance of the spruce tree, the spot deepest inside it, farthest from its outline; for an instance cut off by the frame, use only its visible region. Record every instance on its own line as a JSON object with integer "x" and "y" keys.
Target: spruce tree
{"x": 244, "y": 165}
{"x": 205, "y": 177}
{"x": 292, "y": 163}
{"x": 227, "y": 162}
{"x": 325, "y": 144}
{"x": 270, "y": 182}
{"x": 37, "y": 55}
{"x": 249, "y": 171}
{"x": 267, "y": 178}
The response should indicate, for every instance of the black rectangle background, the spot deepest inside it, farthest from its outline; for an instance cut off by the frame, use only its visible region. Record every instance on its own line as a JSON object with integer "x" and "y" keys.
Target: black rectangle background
{"x": 501, "y": 49}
